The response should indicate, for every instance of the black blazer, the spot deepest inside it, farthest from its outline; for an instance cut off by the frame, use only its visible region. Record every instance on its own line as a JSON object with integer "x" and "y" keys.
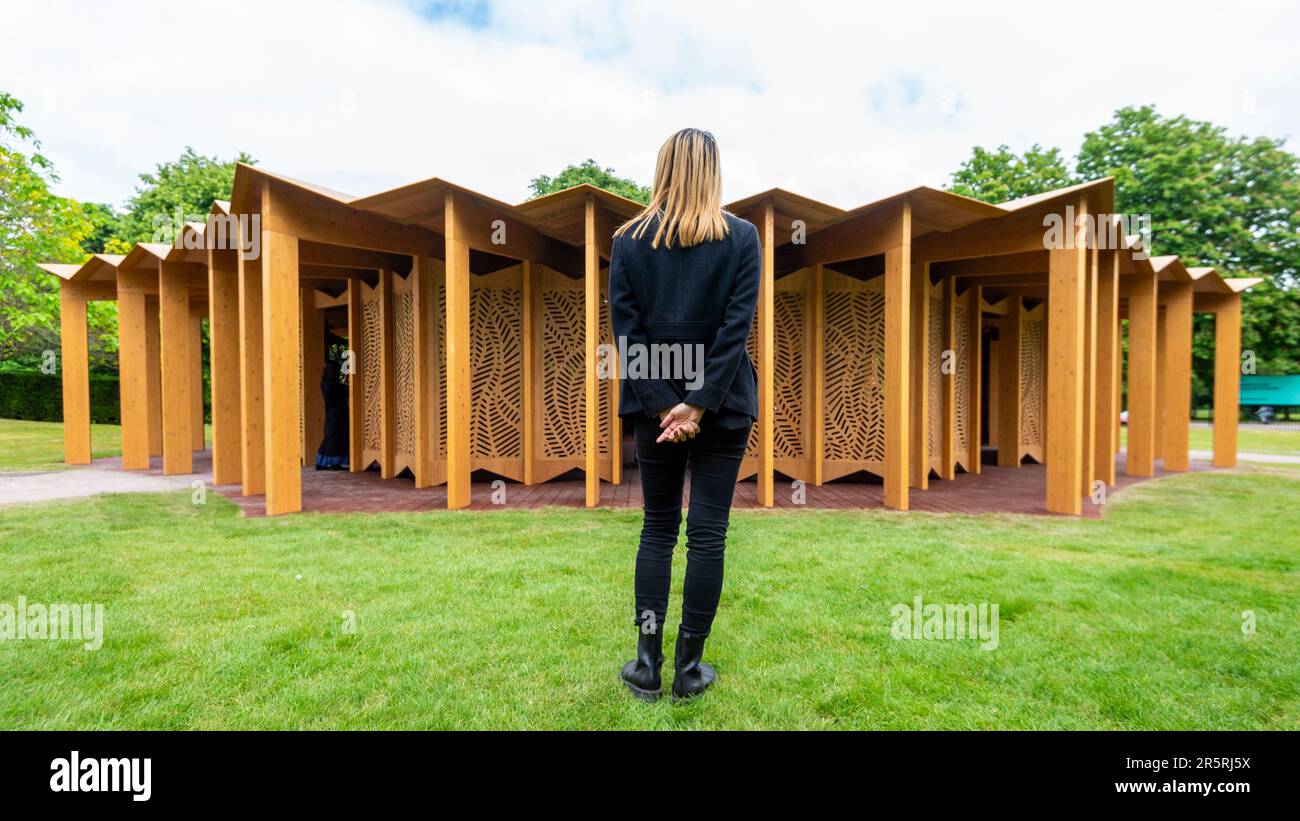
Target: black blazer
{"x": 703, "y": 294}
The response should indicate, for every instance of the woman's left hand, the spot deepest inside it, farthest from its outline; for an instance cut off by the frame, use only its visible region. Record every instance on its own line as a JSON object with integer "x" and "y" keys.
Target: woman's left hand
{"x": 680, "y": 422}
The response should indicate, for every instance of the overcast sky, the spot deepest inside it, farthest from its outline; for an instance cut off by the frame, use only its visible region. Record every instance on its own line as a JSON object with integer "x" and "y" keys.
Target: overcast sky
{"x": 842, "y": 102}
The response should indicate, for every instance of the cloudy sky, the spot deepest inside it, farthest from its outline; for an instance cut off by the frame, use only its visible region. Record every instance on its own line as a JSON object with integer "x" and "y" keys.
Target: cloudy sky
{"x": 842, "y": 102}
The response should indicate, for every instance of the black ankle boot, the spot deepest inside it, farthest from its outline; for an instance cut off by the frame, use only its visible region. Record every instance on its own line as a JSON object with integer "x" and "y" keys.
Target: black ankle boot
{"x": 641, "y": 674}
{"x": 693, "y": 676}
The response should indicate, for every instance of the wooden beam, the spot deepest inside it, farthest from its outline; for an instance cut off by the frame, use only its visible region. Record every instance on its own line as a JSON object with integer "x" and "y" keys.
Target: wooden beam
{"x": 1142, "y": 297}
{"x": 174, "y": 318}
{"x": 1064, "y": 398}
{"x": 198, "y": 440}
{"x": 591, "y": 325}
{"x": 1090, "y": 274}
{"x": 1177, "y": 400}
{"x": 1106, "y": 411}
{"x": 132, "y": 330}
{"x": 1227, "y": 379}
{"x": 948, "y": 383}
{"x": 153, "y": 373}
{"x": 898, "y": 275}
{"x": 1008, "y": 384}
{"x": 458, "y": 355}
{"x": 281, "y": 383}
{"x": 426, "y": 368}
{"x": 919, "y": 453}
{"x": 767, "y": 358}
{"x": 313, "y": 363}
{"x": 74, "y": 370}
{"x": 817, "y": 330}
{"x": 224, "y": 365}
{"x": 1162, "y": 374}
{"x": 975, "y": 342}
{"x": 252, "y": 416}
{"x": 325, "y": 260}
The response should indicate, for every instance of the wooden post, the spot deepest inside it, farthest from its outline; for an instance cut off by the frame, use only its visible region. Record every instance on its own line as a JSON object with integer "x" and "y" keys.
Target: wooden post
{"x": 817, "y": 330}
{"x": 975, "y": 343}
{"x": 252, "y": 415}
{"x": 224, "y": 365}
{"x": 766, "y": 360}
{"x": 1008, "y": 387}
{"x": 174, "y": 318}
{"x": 132, "y": 318}
{"x": 919, "y": 357}
{"x": 426, "y": 373}
{"x": 458, "y": 350}
{"x": 198, "y": 440}
{"x": 1177, "y": 400}
{"x": 1106, "y": 406}
{"x": 591, "y": 326}
{"x": 1142, "y": 297}
{"x": 1090, "y": 274}
{"x": 1066, "y": 297}
{"x": 356, "y": 383}
{"x": 387, "y": 381}
{"x": 948, "y": 381}
{"x": 1162, "y": 373}
{"x": 281, "y": 386}
{"x": 74, "y": 369}
{"x": 898, "y": 274}
{"x": 313, "y": 361}
{"x": 153, "y": 373}
{"x": 530, "y": 297}
{"x": 1227, "y": 380}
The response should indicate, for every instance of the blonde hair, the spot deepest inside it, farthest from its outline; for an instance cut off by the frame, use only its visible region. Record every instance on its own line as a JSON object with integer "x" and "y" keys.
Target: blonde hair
{"x": 686, "y": 198}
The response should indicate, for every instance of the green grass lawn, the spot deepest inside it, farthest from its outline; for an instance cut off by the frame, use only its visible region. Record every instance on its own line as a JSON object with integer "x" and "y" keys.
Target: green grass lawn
{"x": 28, "y": 446}
{"x": 521, "y": 619}
{"x": 1249, "y": 440}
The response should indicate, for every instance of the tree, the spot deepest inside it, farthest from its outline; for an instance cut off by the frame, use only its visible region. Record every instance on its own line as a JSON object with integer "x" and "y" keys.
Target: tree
{"x": 591, "y": 173}
{"x": 1001, "y": 175}
{"x": 38, "y": 226}
{"x": 189, "y": 185}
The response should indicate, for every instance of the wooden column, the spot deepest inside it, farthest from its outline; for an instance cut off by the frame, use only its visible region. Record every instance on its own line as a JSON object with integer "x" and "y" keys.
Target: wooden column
{"x": 591, "y": 338}
{"x": 1066, "y": 301}
{"x": 919, "y": 372}
{"x": 766, "y": 365}
{"x": 356, "y": 384}
{"x": 74, "y": 369}
{"x": 281, "y": 383}
{"x": 387, "y": 398}
{"x": 1106, "y": 405}
{"x": 174, "y": 318}
{"x": 458, "y": 376}
{"x": 1177, "y": 401}
{"x": 948, "y": 415}
{"x": 1008, "y": 387}
{"x": 252, "y": 416}
{"x": 224, "y": 365}
{"x": 426, "y": 369}
{"x": 313, "y": 361}
{"x": 817, "y": 331}
{"x": 898, "y": 274}
{"x": 1142, "y": 295}
{"x": 975, "y": 342}
{"x": 1090, "y": 378}
{"x": 153, "y": 374}
{"x": 198, "y": 440}
{"x": 531, "y": 297}
{"x": 1227, "y": 379}
{"x": 132, "y": 330}
{"x": 1162, "y": 362}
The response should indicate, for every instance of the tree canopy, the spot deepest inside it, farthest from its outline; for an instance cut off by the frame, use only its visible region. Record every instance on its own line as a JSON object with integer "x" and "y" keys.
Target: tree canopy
{"x": 589, "y": 172}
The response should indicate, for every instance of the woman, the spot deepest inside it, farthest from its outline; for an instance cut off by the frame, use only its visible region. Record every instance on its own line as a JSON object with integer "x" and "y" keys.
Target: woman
{"x": 684, "y": 272}
{"x": 333, "y": 453}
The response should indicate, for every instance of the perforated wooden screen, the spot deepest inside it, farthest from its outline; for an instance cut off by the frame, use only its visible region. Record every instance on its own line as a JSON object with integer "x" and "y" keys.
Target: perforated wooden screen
{"x": 1033, "y": 344}
{"x": 854, "y": 416}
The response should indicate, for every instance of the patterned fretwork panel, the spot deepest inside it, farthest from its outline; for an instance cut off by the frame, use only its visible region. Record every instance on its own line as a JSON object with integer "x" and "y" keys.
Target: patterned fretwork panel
{"x": 1031, "y": 380}
{"x": 751, "y": 345}
{"x": 961, "y": 421}
{"x": 934, "y": 377}
{"x": 605, "y": 393}
{"x": 440, "y": 360}
{"x": 371, "y": 378}
{"x": 404, "y": 374}
{"x": 563, "y": 392}
{"x": 855, "y": 375}
{"x": 789, "y": 373}
{"x": 496, "y": 372}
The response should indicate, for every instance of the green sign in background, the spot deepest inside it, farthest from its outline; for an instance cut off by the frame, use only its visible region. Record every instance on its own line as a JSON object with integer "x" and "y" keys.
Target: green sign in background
{"x": 1278, "y": 391}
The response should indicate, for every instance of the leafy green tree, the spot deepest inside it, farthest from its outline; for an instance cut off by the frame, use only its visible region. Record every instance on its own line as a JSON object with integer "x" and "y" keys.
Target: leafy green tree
{"x": 189, "y": 184}
{"x": 104, "y": 227}
{"x": 1001, "y": 175}
{"x": 37, "y": 226}
{"x": 591, "y": 173}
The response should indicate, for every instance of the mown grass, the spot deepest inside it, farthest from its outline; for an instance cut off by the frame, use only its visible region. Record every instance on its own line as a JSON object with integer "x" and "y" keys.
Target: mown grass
{"x": 521, "y": 619}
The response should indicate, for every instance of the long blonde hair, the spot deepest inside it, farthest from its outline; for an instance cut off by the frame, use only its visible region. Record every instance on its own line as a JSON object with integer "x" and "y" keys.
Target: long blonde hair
{"x": 686, "y": 197}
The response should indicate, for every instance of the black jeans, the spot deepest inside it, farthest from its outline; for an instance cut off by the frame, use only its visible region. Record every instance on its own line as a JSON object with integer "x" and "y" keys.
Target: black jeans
{"x": 714, "y": 456}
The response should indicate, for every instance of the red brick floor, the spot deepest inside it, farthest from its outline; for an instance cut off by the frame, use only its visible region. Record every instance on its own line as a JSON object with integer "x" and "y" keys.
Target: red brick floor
{"x": 994, "y": 490}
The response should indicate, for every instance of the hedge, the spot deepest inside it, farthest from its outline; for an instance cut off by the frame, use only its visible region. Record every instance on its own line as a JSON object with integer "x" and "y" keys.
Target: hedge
{"x": 39, "y": 397}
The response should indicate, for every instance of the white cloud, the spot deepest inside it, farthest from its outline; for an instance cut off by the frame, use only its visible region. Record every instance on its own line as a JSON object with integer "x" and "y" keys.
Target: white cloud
{"x": 841, "y": 101}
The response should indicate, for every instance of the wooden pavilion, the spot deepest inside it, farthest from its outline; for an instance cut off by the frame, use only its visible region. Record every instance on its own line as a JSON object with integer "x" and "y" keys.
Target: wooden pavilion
{"x": 899, "y": 338}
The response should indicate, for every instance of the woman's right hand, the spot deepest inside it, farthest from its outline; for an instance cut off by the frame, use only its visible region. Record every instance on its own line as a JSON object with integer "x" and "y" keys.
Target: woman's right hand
{"x": 679, "y": 423}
